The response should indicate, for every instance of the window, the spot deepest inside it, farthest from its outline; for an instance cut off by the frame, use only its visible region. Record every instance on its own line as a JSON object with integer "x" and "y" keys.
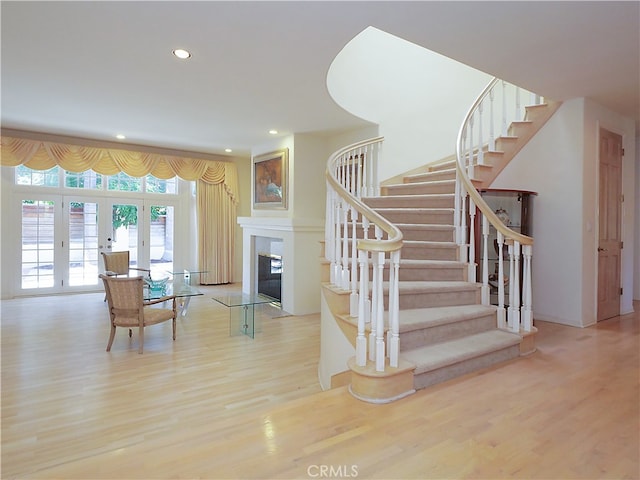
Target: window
{"x": 42, "y": 178}
{"x": 123, "y": 182}
{"x": 86, "y": 180}
{"x": 90, "y": 180}
{"x": 157, "y": 185}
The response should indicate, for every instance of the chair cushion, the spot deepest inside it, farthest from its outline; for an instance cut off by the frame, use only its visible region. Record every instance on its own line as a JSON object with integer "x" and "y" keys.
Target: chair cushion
{"x": 156, "y": 315}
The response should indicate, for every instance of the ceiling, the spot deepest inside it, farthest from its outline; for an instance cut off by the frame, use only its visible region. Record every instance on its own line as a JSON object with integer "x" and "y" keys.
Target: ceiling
{"x": 96, "y": 69}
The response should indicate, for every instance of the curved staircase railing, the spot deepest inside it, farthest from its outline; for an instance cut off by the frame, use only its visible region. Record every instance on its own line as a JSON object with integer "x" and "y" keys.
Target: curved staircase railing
{"x": 357, "y": 237}
{"x": 470, "y": 156}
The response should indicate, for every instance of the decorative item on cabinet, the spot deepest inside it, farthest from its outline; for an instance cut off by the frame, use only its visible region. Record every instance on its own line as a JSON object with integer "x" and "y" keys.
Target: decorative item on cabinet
{"x": 515, "y": 209}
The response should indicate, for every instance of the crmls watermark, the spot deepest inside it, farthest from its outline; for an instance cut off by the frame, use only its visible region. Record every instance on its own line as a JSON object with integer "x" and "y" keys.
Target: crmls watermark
{"x": 332, "y": 471}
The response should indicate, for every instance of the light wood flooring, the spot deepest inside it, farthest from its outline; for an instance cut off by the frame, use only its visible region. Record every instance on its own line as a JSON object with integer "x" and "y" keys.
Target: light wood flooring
{"x": 212, "y": 406}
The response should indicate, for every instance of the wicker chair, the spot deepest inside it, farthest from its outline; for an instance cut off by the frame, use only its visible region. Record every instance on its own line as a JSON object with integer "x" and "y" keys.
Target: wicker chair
{"x": 127, "y": 307}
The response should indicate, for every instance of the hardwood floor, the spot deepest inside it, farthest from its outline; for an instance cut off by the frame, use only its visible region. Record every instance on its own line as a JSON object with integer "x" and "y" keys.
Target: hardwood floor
{"x": 216, "y": 407}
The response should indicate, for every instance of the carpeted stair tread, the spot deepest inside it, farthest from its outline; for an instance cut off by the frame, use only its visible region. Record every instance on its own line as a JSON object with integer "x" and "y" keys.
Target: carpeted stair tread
{"x": 418, "y": 318}
{"x": 443, "y": 354}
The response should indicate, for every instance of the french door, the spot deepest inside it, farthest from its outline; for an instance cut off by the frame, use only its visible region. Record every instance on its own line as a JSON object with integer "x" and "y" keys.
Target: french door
{"x": 62, "y": 238}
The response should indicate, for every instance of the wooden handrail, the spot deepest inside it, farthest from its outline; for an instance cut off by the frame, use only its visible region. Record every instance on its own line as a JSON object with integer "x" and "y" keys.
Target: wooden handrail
{"x": 471, "y": 189}
{"x": 394, "y": 235}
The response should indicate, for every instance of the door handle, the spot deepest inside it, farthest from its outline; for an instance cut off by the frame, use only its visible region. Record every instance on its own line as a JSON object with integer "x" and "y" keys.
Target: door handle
{"x": 600, "y": 249}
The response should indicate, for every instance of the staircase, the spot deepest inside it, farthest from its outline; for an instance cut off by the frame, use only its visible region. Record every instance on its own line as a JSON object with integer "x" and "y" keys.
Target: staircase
{"x": 445, "y": 330}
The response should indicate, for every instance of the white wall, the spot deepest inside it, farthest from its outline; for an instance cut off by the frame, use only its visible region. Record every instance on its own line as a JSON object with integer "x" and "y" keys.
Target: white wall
{"x": 551, "y": 165}
{"x": 418, "y": 97}
{"x": 561, "y": 164}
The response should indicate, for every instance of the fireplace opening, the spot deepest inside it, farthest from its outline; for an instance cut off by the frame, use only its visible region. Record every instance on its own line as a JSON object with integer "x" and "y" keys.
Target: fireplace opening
{"x": 270, "y": 276}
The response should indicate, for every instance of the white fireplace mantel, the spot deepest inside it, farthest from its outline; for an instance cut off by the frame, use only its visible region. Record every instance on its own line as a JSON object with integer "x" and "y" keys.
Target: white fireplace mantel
{"x": 300, "y": 259}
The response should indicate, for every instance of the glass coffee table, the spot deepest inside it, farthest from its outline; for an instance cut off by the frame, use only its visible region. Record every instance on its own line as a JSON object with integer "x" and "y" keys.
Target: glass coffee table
{"x": 182, "y": 291}
{"x": 242, "y": 319}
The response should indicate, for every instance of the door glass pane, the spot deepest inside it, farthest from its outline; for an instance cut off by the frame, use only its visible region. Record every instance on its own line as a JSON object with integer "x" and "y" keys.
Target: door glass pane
{"x": 83, "y": 243}
{"x": 161, "y": 253}
{"x": 125, "y": 231}
{"x": 37, "y": 243}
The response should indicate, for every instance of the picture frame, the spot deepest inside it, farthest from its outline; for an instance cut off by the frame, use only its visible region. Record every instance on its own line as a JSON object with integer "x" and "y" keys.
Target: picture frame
{"x": 270, "y": 180}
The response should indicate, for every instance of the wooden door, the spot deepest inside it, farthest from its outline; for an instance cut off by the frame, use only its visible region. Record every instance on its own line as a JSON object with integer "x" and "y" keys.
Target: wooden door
{"x": 610, "y": 236}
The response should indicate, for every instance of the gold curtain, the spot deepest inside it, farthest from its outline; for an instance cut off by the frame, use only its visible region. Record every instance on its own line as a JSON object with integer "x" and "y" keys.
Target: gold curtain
{"x": 216, "y": 233}
{"x": 41, "y": 155}
{"x": 217, "y": 188}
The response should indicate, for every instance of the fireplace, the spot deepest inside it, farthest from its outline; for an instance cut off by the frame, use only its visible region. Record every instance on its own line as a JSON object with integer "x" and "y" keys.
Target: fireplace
{"x": 270, "y": 275}
{"x": 295, "y": 245}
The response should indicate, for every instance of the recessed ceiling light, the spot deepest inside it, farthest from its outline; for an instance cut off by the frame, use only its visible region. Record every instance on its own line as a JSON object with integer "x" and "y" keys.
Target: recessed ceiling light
{"x": 228, "y": 150}
{"x": 181, "y": 53}
{"x": 120, "y": 136}
{"x": 273, "y": 132}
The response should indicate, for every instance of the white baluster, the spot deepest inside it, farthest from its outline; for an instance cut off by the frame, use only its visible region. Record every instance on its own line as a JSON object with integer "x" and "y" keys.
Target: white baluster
{"x": 457, "y": 207}
{"x": 510, "y": 320}
{"x": 514, "y": 301}
{"x": 504, "y": 108}
{"x": 492, "y": 134}
{"x": 379, "y": 307}
{"x": 394, "y": 315}
{"x": 361, "y": 340}
{"x": 518, "y": 113}
{"x": 527, "y": 313}
{"x": 502, "y": 322}
{"x": 353, "y": 299}
{"x": 485, "y": 261}
{"x": 376, "y": 298}
{"x": 480, "y": 139}
{"x": 514, "y": 287}
{"x": 359, "y": 178}
{"x": 375, "y": 180}
{"x": 337, "y": 215}
{"x": 464, "y": 250}
{"x": 471, "y": 272}
{"x": 470, "y": 166}
{"x": 364, "y": 292}
{"x": 344, "y": 282}
{"x": 366, "y": 177}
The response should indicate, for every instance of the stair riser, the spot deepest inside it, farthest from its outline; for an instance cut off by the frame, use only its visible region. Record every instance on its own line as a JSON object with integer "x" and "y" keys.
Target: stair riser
{"x": 443, "y": 374}
{"x": 417, "y": 217}
{"x": 419, "y": 188}
{"x": 428, "y": 235}
{"x": 432, "y": 274}
{"x": 449, "y": 331}
{"x": 422, "y": 252}
{"x": 436, "y": 299}
{"x": 431, "y": 176}
{"x": 450, "y": 165}
{"x": 404, "y": 202}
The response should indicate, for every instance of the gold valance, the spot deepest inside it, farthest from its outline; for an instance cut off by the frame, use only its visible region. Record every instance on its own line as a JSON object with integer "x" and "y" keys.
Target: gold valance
{"x": 42, "y": 155}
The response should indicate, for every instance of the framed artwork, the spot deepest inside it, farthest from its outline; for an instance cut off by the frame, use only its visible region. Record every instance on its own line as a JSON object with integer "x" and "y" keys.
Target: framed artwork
{"x": 270, "y": 180}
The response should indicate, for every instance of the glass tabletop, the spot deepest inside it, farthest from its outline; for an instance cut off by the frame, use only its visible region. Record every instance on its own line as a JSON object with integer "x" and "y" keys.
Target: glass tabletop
{"x": 241, "y": 299}
{"x": 179, "y": 289}
{"x": 186, "y": 272}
